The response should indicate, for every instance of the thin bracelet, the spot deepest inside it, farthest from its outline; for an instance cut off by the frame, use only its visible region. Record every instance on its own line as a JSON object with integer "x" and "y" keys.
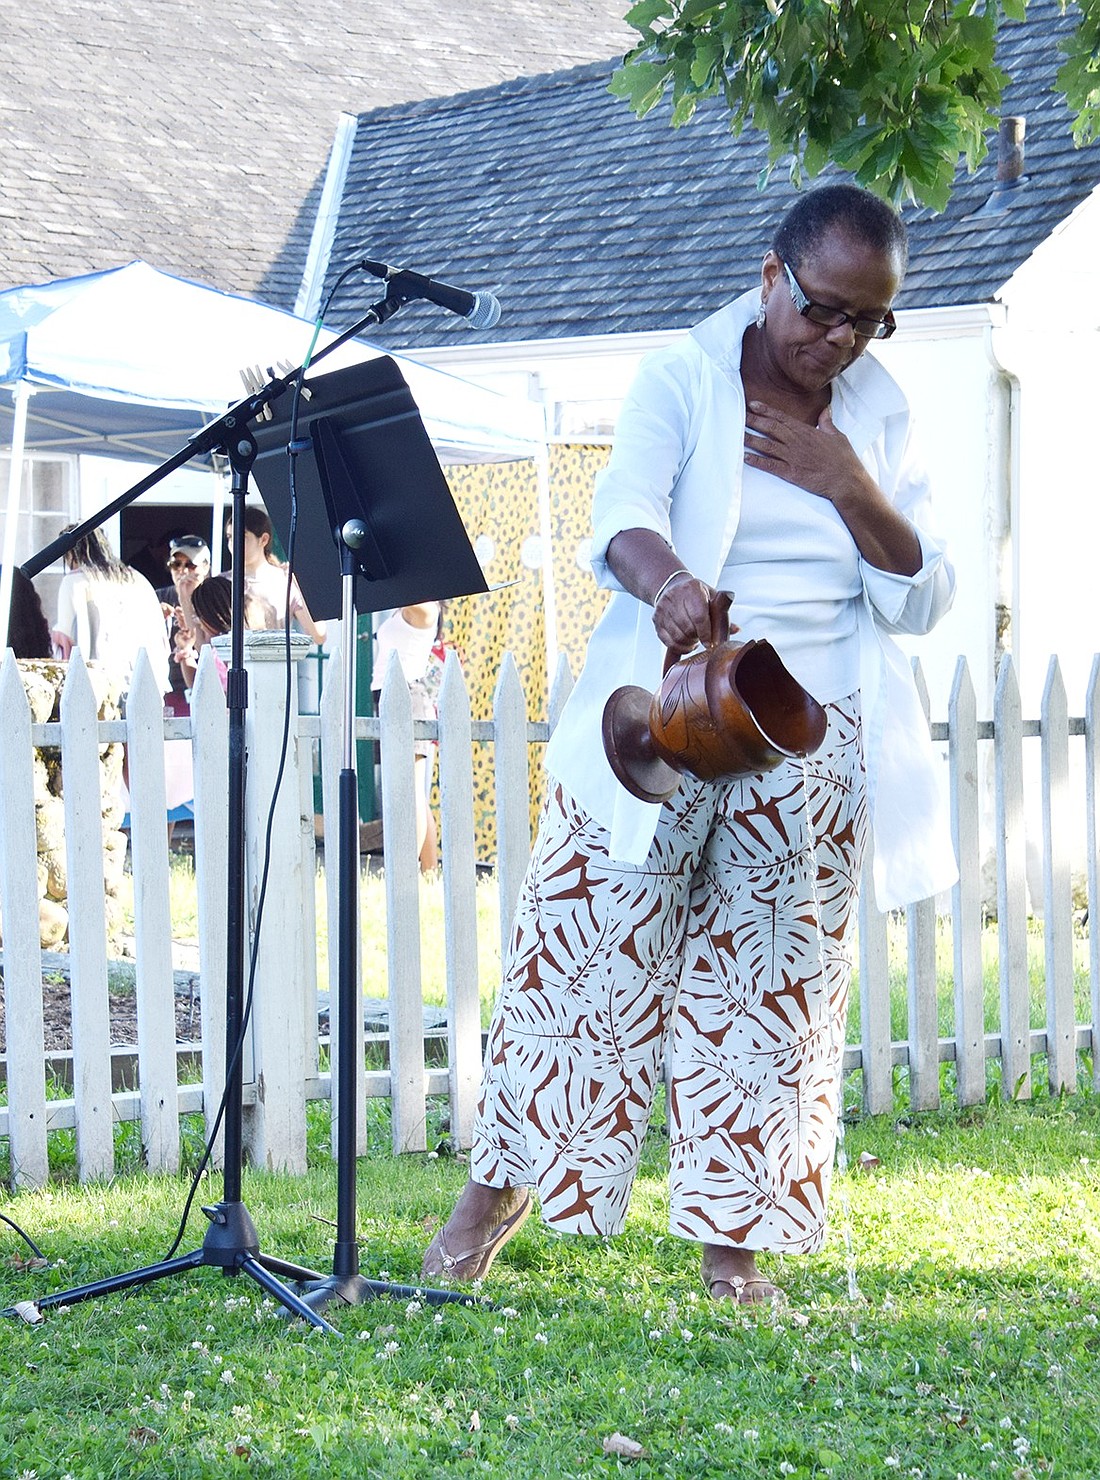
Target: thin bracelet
{"x": 683, "y": 571}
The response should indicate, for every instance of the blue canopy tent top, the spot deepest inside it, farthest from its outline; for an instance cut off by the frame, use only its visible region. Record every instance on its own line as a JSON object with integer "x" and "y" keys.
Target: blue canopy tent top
{"x": 131, "y": 362}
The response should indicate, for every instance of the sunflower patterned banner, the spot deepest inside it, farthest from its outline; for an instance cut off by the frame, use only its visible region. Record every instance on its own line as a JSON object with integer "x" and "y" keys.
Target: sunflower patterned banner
{"x": 499, "y": 505}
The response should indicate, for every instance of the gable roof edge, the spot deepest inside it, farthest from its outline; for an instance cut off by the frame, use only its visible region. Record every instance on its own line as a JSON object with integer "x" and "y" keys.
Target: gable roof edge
{"x": 308, "y": 301}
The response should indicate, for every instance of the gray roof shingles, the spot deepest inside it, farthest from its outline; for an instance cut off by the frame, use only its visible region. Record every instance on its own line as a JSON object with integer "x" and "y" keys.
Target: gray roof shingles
{"x": 584, "y": 220}
{"x": 195, "y": 134}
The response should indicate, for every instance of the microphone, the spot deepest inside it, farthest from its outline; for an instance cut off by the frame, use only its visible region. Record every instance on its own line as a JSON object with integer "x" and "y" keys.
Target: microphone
{"x": 480, "y": 310}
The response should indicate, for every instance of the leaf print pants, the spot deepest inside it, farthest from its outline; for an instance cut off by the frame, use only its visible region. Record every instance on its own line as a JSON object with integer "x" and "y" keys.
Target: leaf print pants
{"x": 730, "y": 945}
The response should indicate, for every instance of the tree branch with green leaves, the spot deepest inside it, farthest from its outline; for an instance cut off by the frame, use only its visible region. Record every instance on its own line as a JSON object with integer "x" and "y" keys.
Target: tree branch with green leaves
{"x": 896, "y": 92}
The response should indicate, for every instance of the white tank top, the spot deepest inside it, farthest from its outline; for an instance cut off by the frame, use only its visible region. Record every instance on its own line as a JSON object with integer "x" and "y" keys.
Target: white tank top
{"x": 795, "y": 573}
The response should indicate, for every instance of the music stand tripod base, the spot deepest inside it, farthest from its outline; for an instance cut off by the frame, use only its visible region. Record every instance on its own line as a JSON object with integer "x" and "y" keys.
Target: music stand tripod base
{"x": 231, "y": 1244}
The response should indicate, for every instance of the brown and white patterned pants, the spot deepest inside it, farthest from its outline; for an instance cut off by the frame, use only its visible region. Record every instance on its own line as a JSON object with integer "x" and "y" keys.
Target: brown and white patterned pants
{"x": 746, "y": 903}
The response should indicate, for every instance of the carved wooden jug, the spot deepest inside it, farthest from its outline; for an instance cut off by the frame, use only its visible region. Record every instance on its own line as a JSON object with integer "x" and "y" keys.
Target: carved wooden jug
{"x": 731, "y": 709}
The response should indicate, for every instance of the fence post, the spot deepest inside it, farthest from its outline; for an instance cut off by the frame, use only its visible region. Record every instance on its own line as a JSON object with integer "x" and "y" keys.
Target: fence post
{"x": 156, "y": 993}
{"x": 512, "y": 792}
{"x": 210, "y": 751}
{"x": 1011, "y": 885}
{"x": 275, "y": 1125}
{"x": 332, "y": 763}
{"x": 407, "y": 1098}
{"x": 1057, "y": 904}
{"x": 1092, "y": 799}
{"x": 920, "y": 924}
{"x": 966, "y": 903}
{"x": 876, "y": 1047}
{"x": 22, "y": 954}
{"x": 83, "y": 799}
{"x": 456, "y": 787}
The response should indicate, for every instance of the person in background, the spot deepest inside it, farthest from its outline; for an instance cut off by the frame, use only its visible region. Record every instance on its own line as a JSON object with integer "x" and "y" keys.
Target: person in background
{"x": 762, "y": 459}
{"x": 267, "y": 577}
{"x": 188, "y": 564}
{"x": 413, "y": 632}
{"x": 211, "y": 616}
{"x": 28, "y": 629}
{"x": 109, "y": 612}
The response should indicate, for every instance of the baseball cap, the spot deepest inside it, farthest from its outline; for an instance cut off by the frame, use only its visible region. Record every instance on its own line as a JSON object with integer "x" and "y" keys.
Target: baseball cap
{"x": 192, "y": 545}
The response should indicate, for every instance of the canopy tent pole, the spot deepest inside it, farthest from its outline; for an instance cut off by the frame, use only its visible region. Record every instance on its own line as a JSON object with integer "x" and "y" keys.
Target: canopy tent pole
{"x": 21, "y": 395}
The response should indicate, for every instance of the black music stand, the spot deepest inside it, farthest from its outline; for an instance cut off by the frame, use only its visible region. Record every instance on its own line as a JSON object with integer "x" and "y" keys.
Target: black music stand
{"x": 364, "y": 470}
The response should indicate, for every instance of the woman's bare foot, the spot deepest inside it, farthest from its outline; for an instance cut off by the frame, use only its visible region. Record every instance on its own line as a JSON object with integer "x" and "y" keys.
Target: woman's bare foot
{"x": 731, "y": 1274}
{"x": 483, "y": 1220}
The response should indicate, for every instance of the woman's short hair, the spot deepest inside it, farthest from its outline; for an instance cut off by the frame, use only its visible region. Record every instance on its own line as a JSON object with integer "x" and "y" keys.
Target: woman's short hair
{"x": 212, "y": 601}
{"x": 851, "y": 209}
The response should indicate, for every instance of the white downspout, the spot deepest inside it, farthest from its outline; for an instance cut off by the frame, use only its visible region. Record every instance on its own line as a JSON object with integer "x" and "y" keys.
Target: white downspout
{"x": 997, "y": 341}
{"x": 20, "y": 398}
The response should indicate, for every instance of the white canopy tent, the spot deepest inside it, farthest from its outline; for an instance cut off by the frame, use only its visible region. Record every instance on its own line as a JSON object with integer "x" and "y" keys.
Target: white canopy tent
{"x": 131, "y": 362}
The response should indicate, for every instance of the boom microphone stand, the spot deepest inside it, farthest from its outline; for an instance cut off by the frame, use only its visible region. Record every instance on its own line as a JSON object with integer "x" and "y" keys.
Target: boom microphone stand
{"x": 231, "y": 1243}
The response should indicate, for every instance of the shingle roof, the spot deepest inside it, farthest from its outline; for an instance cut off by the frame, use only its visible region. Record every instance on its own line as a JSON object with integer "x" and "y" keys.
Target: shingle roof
{"x": 584, "y": 220}
{"x": 195, "y": 134}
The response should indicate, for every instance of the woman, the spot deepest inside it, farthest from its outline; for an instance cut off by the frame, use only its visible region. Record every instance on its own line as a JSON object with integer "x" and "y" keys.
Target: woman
{"x": 268, "y": 578}
{"x": 28, "y": 630}
{"x": 211, "y": 604}
{"x": 761, "y": 459}
{"x": 109, "y": 612}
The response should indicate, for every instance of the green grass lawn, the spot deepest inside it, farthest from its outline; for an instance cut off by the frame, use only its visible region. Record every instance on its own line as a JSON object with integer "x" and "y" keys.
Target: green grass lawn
{"x": 951, "y": 1327}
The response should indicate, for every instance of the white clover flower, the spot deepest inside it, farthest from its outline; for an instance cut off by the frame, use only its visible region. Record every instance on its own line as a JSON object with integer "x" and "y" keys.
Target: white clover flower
{"x": 228, "y": 1378}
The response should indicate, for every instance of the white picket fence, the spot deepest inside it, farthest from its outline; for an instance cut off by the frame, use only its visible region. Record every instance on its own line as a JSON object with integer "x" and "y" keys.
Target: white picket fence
{"x": 281, "y": 1054}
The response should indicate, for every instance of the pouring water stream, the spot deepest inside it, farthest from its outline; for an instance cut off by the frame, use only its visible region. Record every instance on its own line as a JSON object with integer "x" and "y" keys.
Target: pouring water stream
{"x": 855, "y": 1294}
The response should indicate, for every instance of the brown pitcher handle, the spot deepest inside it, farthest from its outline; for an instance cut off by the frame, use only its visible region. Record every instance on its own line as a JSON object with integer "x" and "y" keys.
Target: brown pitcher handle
{"x": 722, "y": 601}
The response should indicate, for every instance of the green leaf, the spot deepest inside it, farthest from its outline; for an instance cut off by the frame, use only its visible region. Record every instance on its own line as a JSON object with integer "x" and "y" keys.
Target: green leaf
{"x": 641, "y": 84}
{"x": 693, "y": 11}
{"x": 642, "y": 15}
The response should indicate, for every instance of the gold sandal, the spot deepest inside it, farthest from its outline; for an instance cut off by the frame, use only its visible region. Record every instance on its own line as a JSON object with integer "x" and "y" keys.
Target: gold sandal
{"x": 739, "y": 1286}
{"x": 438, "y": 1259}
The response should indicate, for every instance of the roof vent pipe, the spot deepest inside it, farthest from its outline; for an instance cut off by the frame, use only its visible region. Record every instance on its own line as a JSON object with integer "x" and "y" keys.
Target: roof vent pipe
{"x": 1010, "y": 152}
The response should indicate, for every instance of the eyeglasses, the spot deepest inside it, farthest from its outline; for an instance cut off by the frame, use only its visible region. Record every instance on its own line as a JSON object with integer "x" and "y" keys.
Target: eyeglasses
{"x": 176, "y": 563}
{"x": 832, "y": 318}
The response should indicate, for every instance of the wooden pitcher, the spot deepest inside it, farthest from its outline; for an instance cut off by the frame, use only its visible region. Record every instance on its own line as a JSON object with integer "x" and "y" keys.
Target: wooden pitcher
{"x": 731, "y": 709}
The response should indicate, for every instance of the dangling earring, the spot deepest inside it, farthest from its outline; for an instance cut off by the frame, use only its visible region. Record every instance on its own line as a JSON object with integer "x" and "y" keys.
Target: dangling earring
{"x": 761, "y": 314}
